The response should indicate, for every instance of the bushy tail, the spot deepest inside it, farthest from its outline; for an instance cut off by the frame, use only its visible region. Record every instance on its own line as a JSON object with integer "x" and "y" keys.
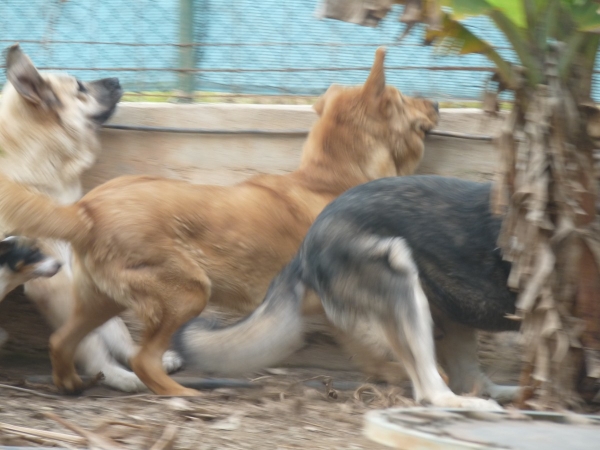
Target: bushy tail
{"x": 270, "y": 334}
{"x": 35, "y": 215}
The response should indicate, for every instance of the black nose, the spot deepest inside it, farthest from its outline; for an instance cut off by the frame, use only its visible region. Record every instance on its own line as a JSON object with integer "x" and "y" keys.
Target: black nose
{"x": 111, "y": 83}
{"x": 436, "y": 106}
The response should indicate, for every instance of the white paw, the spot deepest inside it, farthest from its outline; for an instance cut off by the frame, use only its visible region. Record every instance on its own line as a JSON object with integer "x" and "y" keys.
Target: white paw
{"x": 457, "y": 401}
{"x": 172, "y": 362}
{"x": 125, "y": 383}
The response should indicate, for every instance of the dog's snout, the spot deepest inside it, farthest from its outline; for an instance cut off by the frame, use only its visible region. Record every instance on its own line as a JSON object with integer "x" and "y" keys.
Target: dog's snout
{"x": 54, "y": 269}
{"x": 48, "y": 268}
{"x": 112, "y": 83}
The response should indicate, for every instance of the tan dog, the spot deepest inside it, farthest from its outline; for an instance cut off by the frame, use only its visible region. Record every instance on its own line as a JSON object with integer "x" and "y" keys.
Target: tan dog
{"x": 164, "y": 248}
{"x": 48, "y": 137}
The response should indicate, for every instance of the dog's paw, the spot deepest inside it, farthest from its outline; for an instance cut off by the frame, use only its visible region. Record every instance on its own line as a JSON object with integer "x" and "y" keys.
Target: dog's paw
{"x": 124, "y": 381}
{"x": 172, "y": 361}
{"x": 69, "y": 384}
{"x": 457, "y": 401}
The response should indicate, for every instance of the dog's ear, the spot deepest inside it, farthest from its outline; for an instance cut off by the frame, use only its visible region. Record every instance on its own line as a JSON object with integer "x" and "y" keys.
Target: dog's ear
{"x": 28, "y": 82}
{"x": 319, "y": 105}
{"x": 6, "y": 245}
{"x": 375, "y": 84}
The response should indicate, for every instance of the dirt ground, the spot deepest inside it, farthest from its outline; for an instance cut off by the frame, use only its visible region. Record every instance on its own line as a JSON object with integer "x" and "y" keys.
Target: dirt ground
{"x": 316, "y": 400}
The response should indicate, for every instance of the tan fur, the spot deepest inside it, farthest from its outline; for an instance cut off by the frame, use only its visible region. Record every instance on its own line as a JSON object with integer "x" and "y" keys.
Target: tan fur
{"x": 49, "y": 127}
{"x": 48, "y": 146}
{"x": 164, "y": 247}
{"x": 47, "y": 139}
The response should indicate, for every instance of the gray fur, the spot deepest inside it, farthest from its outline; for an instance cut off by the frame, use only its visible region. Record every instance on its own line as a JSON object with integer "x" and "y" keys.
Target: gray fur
{"x": 271, "y": 333}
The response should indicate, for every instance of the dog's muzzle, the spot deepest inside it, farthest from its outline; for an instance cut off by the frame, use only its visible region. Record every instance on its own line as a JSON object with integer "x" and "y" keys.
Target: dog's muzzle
{"x": 47, "y": 268}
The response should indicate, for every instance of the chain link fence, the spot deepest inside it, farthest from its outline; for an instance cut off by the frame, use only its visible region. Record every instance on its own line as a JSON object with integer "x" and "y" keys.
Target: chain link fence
{"x": 205, "y": 49}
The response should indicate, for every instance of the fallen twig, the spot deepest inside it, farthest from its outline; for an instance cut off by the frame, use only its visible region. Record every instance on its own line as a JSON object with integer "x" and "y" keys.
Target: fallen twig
{"x": 165, "y": 442}
{"x": 93, "y": 439}
{"x": 26, "y": 431}
{"x": 29, "y": 391}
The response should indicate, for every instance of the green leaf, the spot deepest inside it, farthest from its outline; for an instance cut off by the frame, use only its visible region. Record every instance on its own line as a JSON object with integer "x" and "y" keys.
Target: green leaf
{"x": 454, "y": 37}
{"x": 514, "y": 10}
{"x": 572, "y": 45}
{"x": 587, "y": 16}
{"x": 520, "y": 44}
{"x": 461, "y": 9}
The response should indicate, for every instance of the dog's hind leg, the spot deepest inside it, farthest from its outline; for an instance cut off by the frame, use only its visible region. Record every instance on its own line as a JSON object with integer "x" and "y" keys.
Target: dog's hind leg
{"x": 386, "y": 296}
{"x": 93, "y": 356}
{"x": 457, "y": 351}
{"x": 64, "y": 343}
{"x": 120, "y": 345}
{"x": 411, "y": 337}
{"x": 379, "y": 366}
{"x": 147, "y": 364}
{"x": 164, "y": 310}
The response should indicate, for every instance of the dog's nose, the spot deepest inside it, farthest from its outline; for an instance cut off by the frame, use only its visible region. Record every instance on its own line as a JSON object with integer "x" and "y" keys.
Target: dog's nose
{"x": 436, "y": 106}
{"x": 112, "y": 83}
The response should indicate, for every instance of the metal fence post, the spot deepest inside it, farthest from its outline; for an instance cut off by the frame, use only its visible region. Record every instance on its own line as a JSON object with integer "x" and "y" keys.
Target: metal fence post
{"x": 186, "y": 50}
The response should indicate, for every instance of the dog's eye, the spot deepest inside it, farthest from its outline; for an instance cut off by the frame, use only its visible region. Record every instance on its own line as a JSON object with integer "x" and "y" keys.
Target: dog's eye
{"x": 81, "y": 87}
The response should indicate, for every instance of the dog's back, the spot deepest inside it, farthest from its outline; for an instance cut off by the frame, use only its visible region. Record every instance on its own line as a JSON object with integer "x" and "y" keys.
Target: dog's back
{"x": 450, "y": 230}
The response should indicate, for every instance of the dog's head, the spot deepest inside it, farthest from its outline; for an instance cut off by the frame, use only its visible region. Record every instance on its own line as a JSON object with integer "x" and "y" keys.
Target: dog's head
{"x": 49, "y": 122}
{"x": 61, "y": 94}
{"x": 379, "y": 127}
{"x": 21, "y": 260}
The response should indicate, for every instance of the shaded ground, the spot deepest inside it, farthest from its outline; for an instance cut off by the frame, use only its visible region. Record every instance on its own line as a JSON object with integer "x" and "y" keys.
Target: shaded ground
{"x": 282, "y": 413}
{"x": 289, "y": 408}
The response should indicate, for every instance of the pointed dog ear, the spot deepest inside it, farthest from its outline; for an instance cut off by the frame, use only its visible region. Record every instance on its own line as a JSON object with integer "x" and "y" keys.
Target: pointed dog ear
{"x": 319, "y": 105}
{"x": 26, "y": 79}
{"x": 375, "y": 84}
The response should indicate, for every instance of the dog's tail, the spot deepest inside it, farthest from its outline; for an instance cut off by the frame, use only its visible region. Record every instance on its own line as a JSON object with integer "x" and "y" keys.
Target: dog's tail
{"x": 38, "y": 216}
{"x": 271, "y": 333}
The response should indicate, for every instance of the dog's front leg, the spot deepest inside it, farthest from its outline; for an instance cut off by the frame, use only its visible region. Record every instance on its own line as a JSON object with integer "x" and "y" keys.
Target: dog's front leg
{"x": 457, "y": 351}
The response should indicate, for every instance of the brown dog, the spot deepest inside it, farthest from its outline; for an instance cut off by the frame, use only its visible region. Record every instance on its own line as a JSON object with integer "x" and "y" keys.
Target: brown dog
{"x": 164, "y": 248}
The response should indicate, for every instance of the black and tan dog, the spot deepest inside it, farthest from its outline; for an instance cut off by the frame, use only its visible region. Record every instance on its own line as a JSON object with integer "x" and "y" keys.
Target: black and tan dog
{"x": 376, "y": 257}
{"x": 22, "y": 260}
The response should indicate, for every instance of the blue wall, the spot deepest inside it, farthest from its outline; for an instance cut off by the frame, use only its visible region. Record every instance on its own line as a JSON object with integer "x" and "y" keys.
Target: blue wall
{"x": 268, "y": 37}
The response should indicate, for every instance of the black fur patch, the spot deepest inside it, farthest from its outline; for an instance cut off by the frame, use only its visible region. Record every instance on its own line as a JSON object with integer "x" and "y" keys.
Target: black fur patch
{"x": 16, "y": 252}
{"x": 448, "y": 225}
